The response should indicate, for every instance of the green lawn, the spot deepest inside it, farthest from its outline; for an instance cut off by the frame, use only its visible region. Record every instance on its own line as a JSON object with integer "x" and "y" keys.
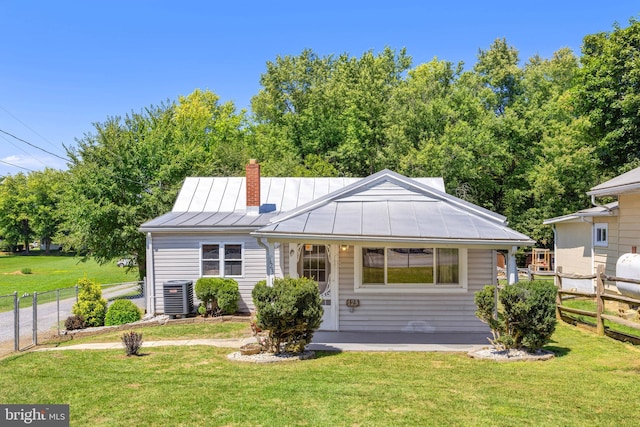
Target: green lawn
{"x": 53, "y": 272}
{"x": 594, "y": 381}
{"x": 590, "y": 305}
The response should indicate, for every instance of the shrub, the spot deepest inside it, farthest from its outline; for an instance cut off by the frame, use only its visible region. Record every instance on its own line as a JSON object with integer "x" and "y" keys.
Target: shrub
{"x": 25, "y": 270}
{"x": 291, "y": 310}
{"x": 202, "y": 310}
{"x": 218, "y": 295}
{"x": 227, "y": 295}
{"x": 122, "y": 311}
{"x": 527, "y": 318}
{"x": 91, "y": 306}
{"x": 74, "y": 322}
{"x": 132, "y": 342}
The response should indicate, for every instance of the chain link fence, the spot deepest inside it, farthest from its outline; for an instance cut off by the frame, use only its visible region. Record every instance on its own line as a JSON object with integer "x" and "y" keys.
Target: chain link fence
{"x": 31, "y": 318}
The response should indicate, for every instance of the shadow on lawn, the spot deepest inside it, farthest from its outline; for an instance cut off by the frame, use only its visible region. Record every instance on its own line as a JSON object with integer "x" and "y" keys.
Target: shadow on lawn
{"x": 558, "y": 351}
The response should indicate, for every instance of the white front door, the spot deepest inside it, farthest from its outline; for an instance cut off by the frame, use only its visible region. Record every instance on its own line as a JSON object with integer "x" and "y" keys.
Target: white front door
{"x": 315, "y": 262}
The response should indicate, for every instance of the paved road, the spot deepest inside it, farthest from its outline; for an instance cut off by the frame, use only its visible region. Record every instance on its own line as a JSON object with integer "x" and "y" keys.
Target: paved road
{"x": 49, "y": 316}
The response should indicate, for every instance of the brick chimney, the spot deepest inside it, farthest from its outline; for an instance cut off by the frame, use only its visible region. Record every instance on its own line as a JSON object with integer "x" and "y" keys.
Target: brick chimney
{"x": 253, "y": 187}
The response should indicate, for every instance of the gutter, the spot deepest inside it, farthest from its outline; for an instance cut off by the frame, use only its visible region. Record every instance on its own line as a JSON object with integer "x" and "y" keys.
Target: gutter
{"x": 441, "y": 241}
{"x": 593, "y": 202}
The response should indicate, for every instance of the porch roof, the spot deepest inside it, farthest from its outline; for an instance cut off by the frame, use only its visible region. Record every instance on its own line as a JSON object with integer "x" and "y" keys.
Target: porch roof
{"x": 390, "y": 207}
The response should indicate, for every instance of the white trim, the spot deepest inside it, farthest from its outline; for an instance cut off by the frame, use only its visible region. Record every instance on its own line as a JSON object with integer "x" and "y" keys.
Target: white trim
{"x": 600, "y": 230}
{"x": 221, "y": 259}
{"x": 418, "y": 288}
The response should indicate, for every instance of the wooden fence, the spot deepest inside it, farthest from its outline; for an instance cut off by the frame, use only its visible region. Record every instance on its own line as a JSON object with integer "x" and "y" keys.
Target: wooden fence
{"x": 600, "y": 297}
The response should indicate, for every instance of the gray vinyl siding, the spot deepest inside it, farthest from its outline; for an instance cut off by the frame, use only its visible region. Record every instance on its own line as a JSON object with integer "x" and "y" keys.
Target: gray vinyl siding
{"x": 415, "y": 312}
{"x": 177, "y": 257}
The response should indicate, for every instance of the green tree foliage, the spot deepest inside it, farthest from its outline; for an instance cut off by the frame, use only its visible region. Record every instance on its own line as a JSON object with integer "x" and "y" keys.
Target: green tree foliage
{"x": 291, "y": 310}
{"x": 608, "y": 94}
{"x": 90, "y": 306}
{"x": 130, "y": 169}
{"x": 17, "y": 206}
{"x": 47, "y": 189}
{"x": 329, "y": 106}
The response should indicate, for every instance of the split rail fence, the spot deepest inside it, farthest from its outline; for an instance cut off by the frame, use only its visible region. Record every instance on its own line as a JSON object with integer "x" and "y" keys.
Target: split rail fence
{"x": 601, "y": 295}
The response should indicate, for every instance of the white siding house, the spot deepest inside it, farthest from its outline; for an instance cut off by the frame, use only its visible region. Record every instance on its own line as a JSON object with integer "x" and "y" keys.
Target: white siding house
{"x": 390, "y": 253}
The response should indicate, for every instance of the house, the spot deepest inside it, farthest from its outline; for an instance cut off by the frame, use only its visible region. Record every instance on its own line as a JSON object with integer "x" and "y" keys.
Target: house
{"x": 390, "y": 253}
{"x": 601, "y": 234}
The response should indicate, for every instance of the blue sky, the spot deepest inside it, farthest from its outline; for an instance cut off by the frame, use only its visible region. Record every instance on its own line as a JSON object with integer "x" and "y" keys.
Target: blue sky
{"x": 67, "y": 64}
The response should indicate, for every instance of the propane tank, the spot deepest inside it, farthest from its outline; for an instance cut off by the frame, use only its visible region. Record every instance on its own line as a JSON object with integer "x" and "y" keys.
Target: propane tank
{"x": 628, "y": 267}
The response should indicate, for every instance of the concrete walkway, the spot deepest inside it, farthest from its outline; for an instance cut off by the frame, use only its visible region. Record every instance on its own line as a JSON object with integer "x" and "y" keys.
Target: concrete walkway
{"x": 332, "y": 341}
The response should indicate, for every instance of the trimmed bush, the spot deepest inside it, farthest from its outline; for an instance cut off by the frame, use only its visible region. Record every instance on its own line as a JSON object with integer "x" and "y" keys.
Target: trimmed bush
{"x": 121, "y": 312}
{"x": 25, "y": 270}
{"x": 218, "y": 295}
{"x": 91, "y": 306}
{"x": 527, "y": 318}
{"x": 74, "y": 322}
{"x": 291, "y": 310}
{"x": 132, "y": 342}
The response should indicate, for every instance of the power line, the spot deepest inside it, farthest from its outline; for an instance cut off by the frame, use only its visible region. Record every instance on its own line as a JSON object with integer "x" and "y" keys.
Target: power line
{"x": 34, "y": 146}
{"x": 16, "y": 166}
{"x": 23, "y": 150}
{"x": 30, "y": 128}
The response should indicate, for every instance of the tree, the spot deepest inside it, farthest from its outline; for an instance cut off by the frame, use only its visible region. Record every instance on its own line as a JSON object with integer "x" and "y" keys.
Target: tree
{"x": 608, "y": 94}
{"x": 131, "y": 169}
{"x": 499, "y": 70}
{"x": 47, "y": 189}
{"x": 16, "y": 211}
{"x": 330, "y": 106}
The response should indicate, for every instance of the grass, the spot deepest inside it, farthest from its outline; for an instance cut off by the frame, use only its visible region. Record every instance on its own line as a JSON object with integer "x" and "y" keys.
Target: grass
{"x": 594, "y": 381}
{"x": 174, "y": 332}
{"x": 590, "y": 305}
{"x": 49, "y": 272}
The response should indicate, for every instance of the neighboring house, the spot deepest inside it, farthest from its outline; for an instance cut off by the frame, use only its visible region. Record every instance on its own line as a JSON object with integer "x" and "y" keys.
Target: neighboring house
{"x": 601, "y": 234}
{"x": 390, "y": 253}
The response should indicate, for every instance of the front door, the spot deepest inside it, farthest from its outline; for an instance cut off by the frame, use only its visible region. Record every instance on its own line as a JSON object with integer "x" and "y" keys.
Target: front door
{"x": 314, "y": 263}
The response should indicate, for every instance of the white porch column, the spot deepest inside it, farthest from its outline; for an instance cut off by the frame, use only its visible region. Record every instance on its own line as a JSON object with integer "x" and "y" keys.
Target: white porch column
{"x": 149, "y": 280}
{"x": 294, "y": 257}
{"x": 512, "y": 268}
{"x": 270, "y": 258}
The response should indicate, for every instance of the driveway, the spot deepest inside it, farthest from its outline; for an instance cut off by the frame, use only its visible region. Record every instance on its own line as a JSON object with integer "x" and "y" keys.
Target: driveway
{"x": 49, "y": 316}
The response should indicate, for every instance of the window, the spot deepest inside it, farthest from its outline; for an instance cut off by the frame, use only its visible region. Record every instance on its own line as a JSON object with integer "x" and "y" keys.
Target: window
{"x": 390, "y": 267}
{"x": 221, "y": 259}
{"x": 314, "y": 263}
{"x": 600, "y": 234}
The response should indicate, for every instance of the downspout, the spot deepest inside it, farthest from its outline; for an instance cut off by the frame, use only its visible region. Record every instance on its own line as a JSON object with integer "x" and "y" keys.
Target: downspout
{"x": 593, "y": 202}
{"x": 270, "y": 260}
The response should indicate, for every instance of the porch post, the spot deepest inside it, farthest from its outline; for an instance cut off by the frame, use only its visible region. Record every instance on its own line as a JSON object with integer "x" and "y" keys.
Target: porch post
{"x": 149, "y": 280}
{"x": 269, "y": 253}
{"x": 294, "y": 257}
{"x": 512, "y": 267}
{"x": 271, "y": 263}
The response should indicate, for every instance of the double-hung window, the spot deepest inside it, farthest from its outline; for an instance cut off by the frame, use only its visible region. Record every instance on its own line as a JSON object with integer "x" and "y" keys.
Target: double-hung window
{"x": 222, "y": 259}
{"x": 601, "y": 234}
{"x": 411, "y": 267}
